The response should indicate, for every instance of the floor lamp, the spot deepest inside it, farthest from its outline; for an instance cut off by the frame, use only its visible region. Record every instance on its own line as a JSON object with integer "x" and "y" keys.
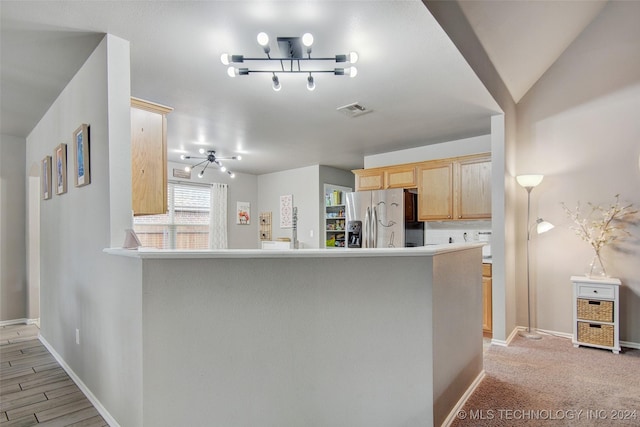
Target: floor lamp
{"x": 529, "y": 182}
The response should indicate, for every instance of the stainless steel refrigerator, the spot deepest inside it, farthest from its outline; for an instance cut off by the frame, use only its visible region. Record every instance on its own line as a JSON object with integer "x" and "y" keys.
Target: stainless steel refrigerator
{"x": 380, "y": 219}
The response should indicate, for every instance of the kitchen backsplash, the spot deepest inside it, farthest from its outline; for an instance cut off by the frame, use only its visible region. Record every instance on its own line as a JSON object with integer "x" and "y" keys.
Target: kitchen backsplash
{"x": 448, "y": 232}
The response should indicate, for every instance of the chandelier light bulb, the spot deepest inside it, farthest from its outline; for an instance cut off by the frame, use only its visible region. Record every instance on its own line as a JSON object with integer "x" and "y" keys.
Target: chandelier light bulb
{"x": 353, "y": 57}
{"x": 276, "y": 83}
{"x": 182, "y": 157}
{"x": 224, "y": 58}
{"x": 223, "y": 169}
{"x": 353, "y": 71}
{"x": 232, "y": 71}
{"x": 187, "y": 169}
{"x": 239, "y": 158}
{"x": 263, "y": 39}
{"x": 311, "y": 84}
{"x": 307, "y": 39}
{"x": 201, "y": 174}
{"x": 232, "y": 175}
{"x": 202, "y": 151}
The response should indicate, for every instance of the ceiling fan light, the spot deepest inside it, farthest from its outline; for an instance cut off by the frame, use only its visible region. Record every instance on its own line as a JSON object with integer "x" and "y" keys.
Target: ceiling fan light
{"x": 224, "y": 58}
{"x": 353, "y": 57}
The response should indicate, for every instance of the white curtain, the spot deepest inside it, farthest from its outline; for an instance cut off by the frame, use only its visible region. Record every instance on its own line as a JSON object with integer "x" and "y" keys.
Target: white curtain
{"x": 218, "y": 221}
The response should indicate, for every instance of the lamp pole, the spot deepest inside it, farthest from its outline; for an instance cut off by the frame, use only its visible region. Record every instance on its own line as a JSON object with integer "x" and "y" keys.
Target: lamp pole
{"x": 528, "y": 334}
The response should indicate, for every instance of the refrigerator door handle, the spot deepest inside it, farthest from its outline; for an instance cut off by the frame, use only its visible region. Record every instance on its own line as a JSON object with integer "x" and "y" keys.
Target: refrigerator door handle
{"x": 367, "y": 230}
{"x": 374, "y": 228}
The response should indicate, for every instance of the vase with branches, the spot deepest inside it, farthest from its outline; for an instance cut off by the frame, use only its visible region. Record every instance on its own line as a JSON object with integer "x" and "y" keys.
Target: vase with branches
{"x": 602, "y": 226}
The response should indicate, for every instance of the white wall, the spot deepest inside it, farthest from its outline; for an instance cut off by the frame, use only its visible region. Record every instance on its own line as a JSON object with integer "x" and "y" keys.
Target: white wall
{"x": 303, "y": 184}
{"x": 13, "y": 277}
{"x": 579, "y": 126}
{"x": 242, "y": 188}
{"x": 460, "y": 147}
{"x": 82, "y": 287}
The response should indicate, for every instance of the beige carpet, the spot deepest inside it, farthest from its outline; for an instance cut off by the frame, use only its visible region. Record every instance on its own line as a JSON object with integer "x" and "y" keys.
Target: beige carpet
{"x": 551, "y": 383}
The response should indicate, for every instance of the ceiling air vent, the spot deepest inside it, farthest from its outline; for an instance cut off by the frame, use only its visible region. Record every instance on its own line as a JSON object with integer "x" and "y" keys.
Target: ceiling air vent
{"x": 353, "y": 110}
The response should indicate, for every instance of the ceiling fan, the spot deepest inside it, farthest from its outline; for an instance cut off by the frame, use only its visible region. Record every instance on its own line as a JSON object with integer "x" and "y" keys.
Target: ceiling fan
{"x": 209, "y": 159}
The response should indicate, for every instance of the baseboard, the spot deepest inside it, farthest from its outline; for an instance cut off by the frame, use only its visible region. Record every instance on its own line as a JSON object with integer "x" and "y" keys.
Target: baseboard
{"x": 628, "y": 344}
{"x": 81, "y": 385}
{"x": 453, "y": 415}
{"x": 23, "y": 321}
{"x": 506, "y": 342}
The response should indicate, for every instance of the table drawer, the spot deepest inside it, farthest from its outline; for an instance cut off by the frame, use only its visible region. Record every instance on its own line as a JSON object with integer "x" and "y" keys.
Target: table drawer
{"x": 595, "y": 291}
{"x": 600, "y": 311}
{"x": 594, "y": 333}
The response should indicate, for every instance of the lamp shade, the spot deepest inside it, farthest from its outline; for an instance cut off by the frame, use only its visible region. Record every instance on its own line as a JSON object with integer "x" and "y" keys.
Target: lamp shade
{"x": 529, "y": 181}
{"x": 543, "y": 226}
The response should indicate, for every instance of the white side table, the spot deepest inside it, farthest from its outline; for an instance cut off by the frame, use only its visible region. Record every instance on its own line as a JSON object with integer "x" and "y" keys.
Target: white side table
{"x": 595, "y": 312}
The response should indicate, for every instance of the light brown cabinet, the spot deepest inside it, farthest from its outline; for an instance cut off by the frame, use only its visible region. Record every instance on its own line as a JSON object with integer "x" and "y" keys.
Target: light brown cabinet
{"x": 455, "y": 189}
{"x": 148, "y": 157}
{"x": 435, "y": 191}
{"x": 487, "y": 313}
{"x": 474, "y": 182}
{"x": 403, "y": 176}
{"x": 369, "y": 179}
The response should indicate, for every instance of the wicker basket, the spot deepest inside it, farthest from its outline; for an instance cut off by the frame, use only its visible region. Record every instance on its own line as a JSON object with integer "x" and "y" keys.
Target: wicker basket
{"x": 595, "y": 334}
{"x": 600, "y": 311}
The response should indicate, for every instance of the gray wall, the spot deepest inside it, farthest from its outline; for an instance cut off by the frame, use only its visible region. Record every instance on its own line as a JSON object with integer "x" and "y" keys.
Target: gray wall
{"x": 13, "y": 274}
{"x": 242, "y": 188}
{"x": 82, "y": 287}
{"x": 579, "y": 126}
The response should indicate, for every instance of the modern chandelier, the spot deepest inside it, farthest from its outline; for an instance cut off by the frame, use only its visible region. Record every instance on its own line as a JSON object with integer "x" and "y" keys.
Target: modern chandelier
{"x": 209, "y": 159}
{"x": 294, "y": 52}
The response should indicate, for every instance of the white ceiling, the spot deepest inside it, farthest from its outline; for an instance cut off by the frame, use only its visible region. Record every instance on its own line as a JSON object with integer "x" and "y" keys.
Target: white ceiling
{"x": 416, "y": 82}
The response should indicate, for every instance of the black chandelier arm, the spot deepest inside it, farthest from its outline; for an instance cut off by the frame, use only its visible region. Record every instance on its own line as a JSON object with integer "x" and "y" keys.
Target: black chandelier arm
{"x": 202, "y": 162}
{"x": 337, "y": 58}
{"x": 246, "y": 71}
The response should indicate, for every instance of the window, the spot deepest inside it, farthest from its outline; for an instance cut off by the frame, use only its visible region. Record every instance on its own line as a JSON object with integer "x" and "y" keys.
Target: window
{"x": 184, "y": 226}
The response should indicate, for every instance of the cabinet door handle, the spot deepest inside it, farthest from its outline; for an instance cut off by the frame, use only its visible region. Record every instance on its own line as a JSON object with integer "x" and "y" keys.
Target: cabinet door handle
{"x": 594, "y": 302}
{"x": 595, "y": 292}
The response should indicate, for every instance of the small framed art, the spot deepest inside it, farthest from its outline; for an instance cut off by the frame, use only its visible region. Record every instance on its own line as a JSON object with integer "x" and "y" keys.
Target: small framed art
{"x": 45, "y": 178}
{"x": 60, "y": 159}
{"x": 82, "y": 158}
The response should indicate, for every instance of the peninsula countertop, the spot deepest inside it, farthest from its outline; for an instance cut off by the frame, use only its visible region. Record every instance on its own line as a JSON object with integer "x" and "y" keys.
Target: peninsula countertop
{"x": 429, "y": 250}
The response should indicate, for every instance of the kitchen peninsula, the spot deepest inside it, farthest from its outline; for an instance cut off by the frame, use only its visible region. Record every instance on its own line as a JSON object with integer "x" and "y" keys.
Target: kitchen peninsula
{"x": 356, "y": 337}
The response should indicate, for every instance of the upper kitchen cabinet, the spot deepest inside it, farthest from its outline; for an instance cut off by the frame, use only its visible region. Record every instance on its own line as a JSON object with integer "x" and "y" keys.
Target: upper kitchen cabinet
{"x": 474, "y": 195}
{"x": 435, "y": 191}
{"x": 149, "y": 157}
{"x": 400, "y": 176}
{"x": 369, "y": 179}
{"x": 455, "y": 189}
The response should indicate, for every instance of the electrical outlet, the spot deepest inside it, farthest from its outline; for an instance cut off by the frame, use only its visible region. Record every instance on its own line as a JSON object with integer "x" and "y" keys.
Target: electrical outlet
{"x": 77, "y": 336}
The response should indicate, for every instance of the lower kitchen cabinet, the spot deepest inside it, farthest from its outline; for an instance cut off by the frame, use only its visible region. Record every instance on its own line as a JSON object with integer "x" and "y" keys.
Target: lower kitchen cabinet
{"x": 487, "y": 313}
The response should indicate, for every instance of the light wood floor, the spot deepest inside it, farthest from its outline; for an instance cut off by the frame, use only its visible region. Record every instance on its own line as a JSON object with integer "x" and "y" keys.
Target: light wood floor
{"x": 34, "y": 389}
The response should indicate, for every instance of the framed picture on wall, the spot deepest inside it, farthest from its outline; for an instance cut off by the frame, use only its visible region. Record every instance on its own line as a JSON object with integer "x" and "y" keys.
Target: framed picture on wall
{"x": 243, "y": 216}
{"x": 45, "y": 178}
{"x": 82, "y": 159}
{"x": 60, "y": 162}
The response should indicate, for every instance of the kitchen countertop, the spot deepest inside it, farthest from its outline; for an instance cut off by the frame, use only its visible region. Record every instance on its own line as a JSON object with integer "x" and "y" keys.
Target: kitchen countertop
{"x": 430, "y": 250}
